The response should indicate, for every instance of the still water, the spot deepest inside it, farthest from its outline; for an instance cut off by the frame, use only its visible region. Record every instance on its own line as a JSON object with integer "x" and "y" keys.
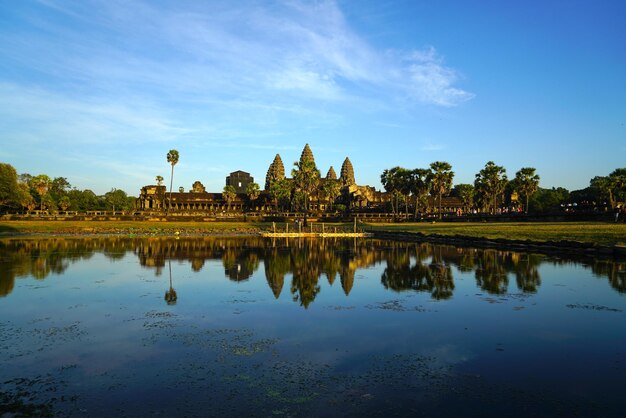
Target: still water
{"x": 247, "y": 326}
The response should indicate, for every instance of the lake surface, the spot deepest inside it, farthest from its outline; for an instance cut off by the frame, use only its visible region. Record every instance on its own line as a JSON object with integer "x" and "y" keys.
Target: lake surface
{"x": 247, "y": 326}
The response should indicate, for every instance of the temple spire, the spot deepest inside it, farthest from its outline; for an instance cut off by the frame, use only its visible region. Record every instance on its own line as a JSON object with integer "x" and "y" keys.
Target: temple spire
{"x": 347, "y": 173}
{"x": 275, "y": 172}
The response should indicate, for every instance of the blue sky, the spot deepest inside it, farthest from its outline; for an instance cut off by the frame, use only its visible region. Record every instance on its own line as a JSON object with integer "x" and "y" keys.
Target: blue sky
{"x": 99, "y": 91}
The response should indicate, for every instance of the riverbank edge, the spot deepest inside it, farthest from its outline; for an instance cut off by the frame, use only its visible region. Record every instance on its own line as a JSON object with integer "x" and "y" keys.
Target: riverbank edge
{"x": 546, "y": 247}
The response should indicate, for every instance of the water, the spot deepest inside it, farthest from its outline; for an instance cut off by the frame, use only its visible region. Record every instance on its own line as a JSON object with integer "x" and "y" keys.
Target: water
{"x": 253, "y": 327}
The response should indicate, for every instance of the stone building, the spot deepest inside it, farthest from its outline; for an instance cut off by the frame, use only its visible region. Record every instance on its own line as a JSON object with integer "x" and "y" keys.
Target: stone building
{"x": 239, "y": 180}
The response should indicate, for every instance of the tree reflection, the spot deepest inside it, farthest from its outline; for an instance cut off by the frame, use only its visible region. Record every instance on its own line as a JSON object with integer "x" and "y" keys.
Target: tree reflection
{"x": 408, "y": 266}
{"x": 170, "y": 295}
{"x": 491, "y": 275}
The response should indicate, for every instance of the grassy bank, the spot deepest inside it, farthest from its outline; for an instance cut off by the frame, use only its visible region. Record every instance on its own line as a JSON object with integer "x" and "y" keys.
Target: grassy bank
{"x": 8, "y": 228}
{"x": 592, "y": 232}
{"x": 129, "y": 227}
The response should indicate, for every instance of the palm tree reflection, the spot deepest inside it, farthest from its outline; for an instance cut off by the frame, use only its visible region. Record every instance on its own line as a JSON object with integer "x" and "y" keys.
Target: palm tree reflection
{"x": 170, "y": 294}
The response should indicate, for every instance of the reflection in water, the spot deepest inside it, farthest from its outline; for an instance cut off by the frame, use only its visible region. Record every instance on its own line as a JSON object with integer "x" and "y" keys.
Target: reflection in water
{"x": 170, "y": 294}
{"x": 408, "y": 266}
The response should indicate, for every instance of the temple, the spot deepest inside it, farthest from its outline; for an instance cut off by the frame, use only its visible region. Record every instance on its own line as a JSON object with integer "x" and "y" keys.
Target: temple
{"x": 332, "y": 194}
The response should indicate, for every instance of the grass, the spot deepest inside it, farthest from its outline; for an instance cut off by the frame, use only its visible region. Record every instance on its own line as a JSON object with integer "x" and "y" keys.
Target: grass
{"x": 62, "y": 227}
{"x": 128, "y": 227}
{"x": 593, "y": 232}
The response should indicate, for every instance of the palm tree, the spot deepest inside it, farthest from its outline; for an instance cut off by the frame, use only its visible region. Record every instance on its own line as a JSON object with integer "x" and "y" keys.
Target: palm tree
{"x": 420, "y": 186}
{"x": 253, "y": 190}
{"x": 490, "y": 182}
{"x": 390, "y": 180}
{"x": 228, "y": 194}
{"x": 172, "y": 158}
{"x": 181, "y": 189}
{"x": 159, "y": 180}
{"x": 41, "y": 183}
{"x": 527, "y": 182}
{"x": 306, "y": 178}
{"x": 441, "y": 179}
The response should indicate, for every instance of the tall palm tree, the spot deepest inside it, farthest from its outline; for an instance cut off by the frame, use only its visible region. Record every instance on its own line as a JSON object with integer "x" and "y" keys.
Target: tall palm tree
{"x": 172, "y": 158}
{"x": 490, "y": 182}
{"x": 306, "y": 178}
{"x": 441, "y": 179}
{"x": 527, "y": 182}
{"x": 420, "y": 186}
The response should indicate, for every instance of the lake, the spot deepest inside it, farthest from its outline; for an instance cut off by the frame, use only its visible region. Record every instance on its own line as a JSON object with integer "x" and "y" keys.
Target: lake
{"x": 311, "y": 327}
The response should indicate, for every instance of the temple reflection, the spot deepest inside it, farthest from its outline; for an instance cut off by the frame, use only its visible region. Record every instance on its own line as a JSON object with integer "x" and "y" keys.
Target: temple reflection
{"x": 405, "y": 266}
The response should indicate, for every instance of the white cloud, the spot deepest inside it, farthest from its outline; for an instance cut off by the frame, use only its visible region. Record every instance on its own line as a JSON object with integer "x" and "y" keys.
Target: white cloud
{"x": 258, "y": 51}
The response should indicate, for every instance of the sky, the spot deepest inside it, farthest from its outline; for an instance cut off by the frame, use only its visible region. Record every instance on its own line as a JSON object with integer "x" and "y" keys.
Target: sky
{"x": 99, "y": 91}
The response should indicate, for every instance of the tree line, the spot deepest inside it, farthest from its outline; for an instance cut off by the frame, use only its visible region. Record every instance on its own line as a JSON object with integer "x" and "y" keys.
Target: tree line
{"x": 20, "y": 192}
{"x": 493, "y": 192}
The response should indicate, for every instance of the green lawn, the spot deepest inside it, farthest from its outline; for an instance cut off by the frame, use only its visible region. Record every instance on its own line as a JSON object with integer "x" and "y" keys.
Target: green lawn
{"x": 594, "y": 232}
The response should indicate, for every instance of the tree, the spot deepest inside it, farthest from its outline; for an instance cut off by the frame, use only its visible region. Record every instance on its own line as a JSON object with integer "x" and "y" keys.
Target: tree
{"x": 172, "y": 158}
{"x": 390, "y": 180}
{"x": 64, "y": 202}
{"x": 490, "y": 183}
{"x": 306, "y": 178}
{"x": 181, "y": 189}
{"x": 24, "y": 198}
{"x": 159, "y": 180}
{"x": 117, "y": 198}
{"x": 441, "y": 179}
{"x": 527, "y": 183}
{"x": 8, "y": 184}
{"x": 331, "y": 190}
{"x": 253, "y": 190}
{"x": 41, "y": 184}
{"x": 420, "y": 186}
{"x": 228, "y": 194}
{"x": 465, "y": 192}
{"x": 280, "y": 191}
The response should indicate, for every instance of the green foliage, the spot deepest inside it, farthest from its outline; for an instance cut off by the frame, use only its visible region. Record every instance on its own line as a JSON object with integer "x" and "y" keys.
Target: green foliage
{"x": 441, "y": 179}
{"x": 280, "y": 192}
{"x": 331, "y": 190}
{"x": 526, "y": 182}
{"x": 228, "y": 194}
{"x": 548, "y": 200}
{"x": 306, "y": 178}
{"x": 8, "y": 185}
{"x": 159, "y": 180}
{"x": 466, "y": 193}
{"x": 253, "y": 190}
{"x": 489, "y": 184}
{"x": 117, "y": 199}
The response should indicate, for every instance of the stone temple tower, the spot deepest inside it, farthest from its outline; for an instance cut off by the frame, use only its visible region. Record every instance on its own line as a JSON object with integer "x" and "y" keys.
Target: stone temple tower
{"x": 275, "y": 172}
{"x": 346, "y": 176}
{"x": 307, "y": 154}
